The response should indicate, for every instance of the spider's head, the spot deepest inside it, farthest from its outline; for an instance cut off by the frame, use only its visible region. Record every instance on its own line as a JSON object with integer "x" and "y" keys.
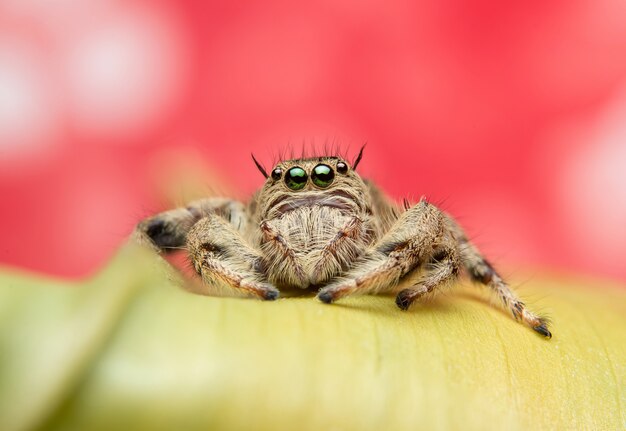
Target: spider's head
{"x": 316, "y": 181}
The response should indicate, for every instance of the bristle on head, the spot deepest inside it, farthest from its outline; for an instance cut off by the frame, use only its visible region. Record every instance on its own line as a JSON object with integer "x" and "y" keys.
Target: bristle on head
{"x": 358, "y": 158}
{"x": 309, "y": 150}
{"x": 259, "y": 167}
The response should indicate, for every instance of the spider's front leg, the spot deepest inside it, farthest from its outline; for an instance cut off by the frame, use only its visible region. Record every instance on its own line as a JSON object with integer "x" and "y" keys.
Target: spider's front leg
{"x": 209, "y": 229}
{"x": 225, "y": 260}
{"x": 168, "y": 230}
{"x": 418, "y": 238}
{"x": 425, "y": 236}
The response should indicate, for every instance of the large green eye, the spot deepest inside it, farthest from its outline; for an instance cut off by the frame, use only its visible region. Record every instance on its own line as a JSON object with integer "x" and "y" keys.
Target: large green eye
{"x": 322, "y": 175}
{"x": 295, "y": 178}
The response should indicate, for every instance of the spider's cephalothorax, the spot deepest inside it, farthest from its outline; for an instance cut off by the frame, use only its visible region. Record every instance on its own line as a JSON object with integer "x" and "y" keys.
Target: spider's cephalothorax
{"x": 314, "y": 220}
{"x": 317, "y": 224}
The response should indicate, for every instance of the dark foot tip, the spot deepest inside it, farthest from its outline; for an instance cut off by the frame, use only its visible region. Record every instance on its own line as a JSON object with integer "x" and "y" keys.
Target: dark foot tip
{"x": 403, "y": 300}
{"x": 271, "y": 295}
{"x": 158, "y": 231}
{"x": 325, "y": 297}
{"x": 543, "y": 330}
{"x": 154, "y": 227}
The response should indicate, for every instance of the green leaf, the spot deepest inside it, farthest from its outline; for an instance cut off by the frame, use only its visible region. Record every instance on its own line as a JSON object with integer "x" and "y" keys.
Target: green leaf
{"x": 130, "y": 349}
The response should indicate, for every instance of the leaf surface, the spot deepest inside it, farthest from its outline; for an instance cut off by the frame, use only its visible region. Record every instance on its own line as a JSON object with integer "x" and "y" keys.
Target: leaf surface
{"x": 130, "y": 349}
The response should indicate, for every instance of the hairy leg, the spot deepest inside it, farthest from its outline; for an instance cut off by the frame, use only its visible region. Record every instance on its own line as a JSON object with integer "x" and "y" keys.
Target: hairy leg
{"x": 482, "y": 272}
{"x": 425, "y": 237}
{"x": 225, "y": 260}
{"x": 418, "y": 238}
{"x": 441, "y": 270}
{"x": 168, "y": 230}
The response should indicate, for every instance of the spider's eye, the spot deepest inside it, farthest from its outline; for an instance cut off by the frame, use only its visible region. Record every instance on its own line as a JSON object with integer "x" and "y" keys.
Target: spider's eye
{"x": 322, "y": 175}
{"x": 296, "y": 178}
{"x": 342, "y": 168}
{"x": 277, "y": 173}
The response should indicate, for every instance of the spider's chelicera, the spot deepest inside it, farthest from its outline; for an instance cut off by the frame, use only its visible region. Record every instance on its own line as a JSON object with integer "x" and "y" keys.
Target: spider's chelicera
{"x": 316, "y": 224}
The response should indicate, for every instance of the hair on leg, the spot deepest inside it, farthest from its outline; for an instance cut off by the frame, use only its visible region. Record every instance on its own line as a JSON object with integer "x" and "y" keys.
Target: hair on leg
{"x": 481, "y": 271}
{"x": 168, "y": 230}
{"x": 225, "y": 261}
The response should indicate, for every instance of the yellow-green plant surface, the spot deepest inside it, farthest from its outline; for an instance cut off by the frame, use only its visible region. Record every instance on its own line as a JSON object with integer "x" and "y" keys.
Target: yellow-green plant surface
{"x": 131, "y": 350}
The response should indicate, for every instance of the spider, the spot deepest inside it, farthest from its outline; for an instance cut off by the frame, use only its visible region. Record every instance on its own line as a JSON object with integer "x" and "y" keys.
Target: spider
{"x": 316, "y": 224}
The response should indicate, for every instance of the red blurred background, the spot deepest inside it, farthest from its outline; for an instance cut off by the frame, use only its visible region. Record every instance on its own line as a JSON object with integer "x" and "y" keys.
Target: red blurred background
{"x": 512, "y": 115}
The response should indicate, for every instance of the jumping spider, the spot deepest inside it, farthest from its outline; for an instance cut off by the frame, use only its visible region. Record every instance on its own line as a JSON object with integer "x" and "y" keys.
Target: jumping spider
{"x": 316, "y": 224}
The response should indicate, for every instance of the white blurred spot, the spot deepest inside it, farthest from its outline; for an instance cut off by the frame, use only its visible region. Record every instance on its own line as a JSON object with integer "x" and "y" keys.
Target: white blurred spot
{"x": 28, "y": 108}
{"x": 126, "y": 73}
{"x": 593, "y": 188}
{"x": 55, "y": 22}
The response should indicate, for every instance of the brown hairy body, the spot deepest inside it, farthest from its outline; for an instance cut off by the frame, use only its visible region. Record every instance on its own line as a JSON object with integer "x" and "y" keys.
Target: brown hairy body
{"x": 316, "y": 224}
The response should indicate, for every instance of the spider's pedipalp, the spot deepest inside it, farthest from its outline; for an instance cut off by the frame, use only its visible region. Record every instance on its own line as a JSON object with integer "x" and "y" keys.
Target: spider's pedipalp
{"x": 225, "y": 261}
{"x": 414, "y": 239}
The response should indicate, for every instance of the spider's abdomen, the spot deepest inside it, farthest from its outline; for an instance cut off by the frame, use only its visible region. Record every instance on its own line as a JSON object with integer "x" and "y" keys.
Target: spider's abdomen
{"x": 310, "y": 245}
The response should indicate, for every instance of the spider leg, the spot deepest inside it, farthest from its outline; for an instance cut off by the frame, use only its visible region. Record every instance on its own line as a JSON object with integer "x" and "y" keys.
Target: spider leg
{"x": 224, "y": 260}
{"x": 168, "y": 230}
{"x": 424, "y": 236}
{"x": 482, "y": 272}
{"x": 419, "y": 237}
{"x": 441, "y": 271}
{"x": 202, "y": 227}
